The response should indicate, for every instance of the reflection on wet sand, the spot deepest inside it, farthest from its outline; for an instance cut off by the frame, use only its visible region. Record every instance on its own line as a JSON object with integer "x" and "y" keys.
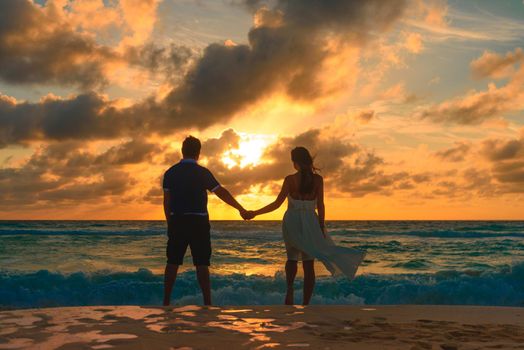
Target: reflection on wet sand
{"x": 324, "y": 327}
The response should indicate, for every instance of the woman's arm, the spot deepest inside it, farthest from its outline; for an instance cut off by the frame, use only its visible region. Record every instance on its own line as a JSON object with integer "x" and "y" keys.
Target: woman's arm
{"x": 321, "y": 209}
{"x": 278, "y": 202}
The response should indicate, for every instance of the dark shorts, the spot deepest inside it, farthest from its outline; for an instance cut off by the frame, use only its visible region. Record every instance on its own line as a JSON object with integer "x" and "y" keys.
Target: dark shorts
{"x": 192, "y": 231}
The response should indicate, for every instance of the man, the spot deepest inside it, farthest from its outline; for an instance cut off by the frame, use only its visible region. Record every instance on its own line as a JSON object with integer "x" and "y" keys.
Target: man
{"x": 185, "y": 207}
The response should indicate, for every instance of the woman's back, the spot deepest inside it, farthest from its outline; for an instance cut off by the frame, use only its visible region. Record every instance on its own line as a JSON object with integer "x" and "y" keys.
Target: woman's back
{"x": 294, "y": 182}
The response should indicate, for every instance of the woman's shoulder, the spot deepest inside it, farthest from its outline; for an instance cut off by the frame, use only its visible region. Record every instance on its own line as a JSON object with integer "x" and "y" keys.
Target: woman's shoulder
{"x": 318, "y": 177}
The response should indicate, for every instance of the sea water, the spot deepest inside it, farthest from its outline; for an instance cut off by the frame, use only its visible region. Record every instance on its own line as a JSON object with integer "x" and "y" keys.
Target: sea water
{"x": 66, "y": 263}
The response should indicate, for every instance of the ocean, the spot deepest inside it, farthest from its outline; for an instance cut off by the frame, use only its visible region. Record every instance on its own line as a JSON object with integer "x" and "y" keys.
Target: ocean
{"x": 70, "y": 263}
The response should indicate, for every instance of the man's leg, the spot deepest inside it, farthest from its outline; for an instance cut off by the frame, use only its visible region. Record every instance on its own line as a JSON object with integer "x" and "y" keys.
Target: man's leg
{"x": 202, "y": 272}
{"x": 291, "y": 273}
{"x": 175, "y": 251}
{"x": 309, "y": 280}
{"x": 169, "y": 280}
{"x": 200, "y": 246}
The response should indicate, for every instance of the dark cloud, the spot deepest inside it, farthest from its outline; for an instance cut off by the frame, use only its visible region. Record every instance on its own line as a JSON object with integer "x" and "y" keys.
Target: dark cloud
{"x": 496, "y": 150}
{"x": 67, "y": 172}
{"x": 286, "y": 51}
{"x": 422, "y": 177}
{"x": 37, "y": 47}
{"x": 228, "y": 139}
{"x": 365, "y": 175}
{"x": 283, "y": 53}
{"x": 82, "y": 117}
{"x": 155, "y": 195}
{"x": 507, "y": 163}
{"x": 480, "y": 182}
{"x": 131, "y": 152}
{"x": 364, "y": 117}
{"x": 112, "y": 183}
{"x": 456, "y": 153}
{"x": 170, "y": 62}
{"x": 510, "y": 172}
{"x": 447, "y": 189}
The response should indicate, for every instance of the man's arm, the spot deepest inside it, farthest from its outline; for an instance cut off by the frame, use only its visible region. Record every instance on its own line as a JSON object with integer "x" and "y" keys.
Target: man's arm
{"x": 167, "y": 205}
{"x": 227, "y": 198}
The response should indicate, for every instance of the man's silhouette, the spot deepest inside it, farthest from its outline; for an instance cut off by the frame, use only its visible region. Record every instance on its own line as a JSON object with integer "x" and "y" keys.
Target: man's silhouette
{"x": 185, "y": 206}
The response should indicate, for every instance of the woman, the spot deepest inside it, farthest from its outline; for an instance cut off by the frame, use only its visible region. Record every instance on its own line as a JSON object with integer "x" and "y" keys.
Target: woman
{"x": 304, "y": 231}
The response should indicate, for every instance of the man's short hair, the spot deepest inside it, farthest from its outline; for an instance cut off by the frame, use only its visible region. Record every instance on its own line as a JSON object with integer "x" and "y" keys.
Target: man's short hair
{"x": 191, "y": 147}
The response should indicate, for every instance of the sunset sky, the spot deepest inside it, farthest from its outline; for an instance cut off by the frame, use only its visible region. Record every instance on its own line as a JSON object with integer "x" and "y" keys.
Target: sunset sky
{"x": 413, "y": 108}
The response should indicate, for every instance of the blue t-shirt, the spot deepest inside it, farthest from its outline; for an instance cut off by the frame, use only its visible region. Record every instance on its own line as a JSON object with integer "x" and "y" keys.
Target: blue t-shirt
{"x": 187, "y": 183}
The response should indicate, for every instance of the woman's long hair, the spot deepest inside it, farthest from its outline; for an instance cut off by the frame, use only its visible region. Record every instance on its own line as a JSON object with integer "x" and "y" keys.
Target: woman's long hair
{"x": 302, "y": 157}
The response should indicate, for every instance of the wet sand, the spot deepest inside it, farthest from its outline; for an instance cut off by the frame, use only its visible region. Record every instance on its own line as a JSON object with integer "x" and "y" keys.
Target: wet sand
{"x": 264, "y": 327}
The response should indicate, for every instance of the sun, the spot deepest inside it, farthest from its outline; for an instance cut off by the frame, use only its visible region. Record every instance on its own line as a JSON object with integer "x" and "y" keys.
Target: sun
{"x": 250, "y": 150}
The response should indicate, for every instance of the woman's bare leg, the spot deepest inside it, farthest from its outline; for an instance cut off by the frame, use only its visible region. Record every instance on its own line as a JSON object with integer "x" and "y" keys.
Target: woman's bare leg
{"x": 309, "y": 280}
{"x": 291, "y": 273}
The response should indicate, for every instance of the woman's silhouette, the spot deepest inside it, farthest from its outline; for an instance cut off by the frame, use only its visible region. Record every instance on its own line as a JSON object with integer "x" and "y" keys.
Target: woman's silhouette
{"x": 304, "y": 231}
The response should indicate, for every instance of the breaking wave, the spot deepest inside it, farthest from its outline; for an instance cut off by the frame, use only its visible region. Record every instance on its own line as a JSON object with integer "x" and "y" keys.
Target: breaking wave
{"x": 50, "y": 289}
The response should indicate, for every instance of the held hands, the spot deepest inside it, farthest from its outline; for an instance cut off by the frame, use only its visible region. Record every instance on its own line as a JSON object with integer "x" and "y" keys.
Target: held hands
{"x": 247, "y": 214}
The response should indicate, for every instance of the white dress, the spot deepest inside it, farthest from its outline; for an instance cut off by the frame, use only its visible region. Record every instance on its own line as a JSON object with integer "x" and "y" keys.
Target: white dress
{"x": 301, "y": 230}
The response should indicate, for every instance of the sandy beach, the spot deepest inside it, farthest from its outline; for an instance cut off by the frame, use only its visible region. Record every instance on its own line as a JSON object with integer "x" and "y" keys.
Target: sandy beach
{"x": 263, "y": 327}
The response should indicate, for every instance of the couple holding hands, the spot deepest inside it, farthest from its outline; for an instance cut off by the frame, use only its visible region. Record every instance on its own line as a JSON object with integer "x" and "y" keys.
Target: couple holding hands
{"x": 185, "y": 206}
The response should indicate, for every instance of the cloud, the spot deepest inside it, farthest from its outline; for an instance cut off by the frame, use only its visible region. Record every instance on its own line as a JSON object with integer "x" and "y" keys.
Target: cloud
{"x": 69, "y": 172}
{"x": 414, "y": 42}
{"x": 506, "y": 158}
{"x": 229, "y": 139}
{"x": 349, "y": 168}
{"x": 456, "y": 153}
{"x": 282, "y": 56}
{"x": 365, "y": 175}
{"x": 140, "y": 17}
{"x": 285, "y": 54}
{"x": 170, "y": 61}
{"x": 478, "y": 106}
{"x": 132, "y": 152}
{"x": 443, "y": 22}
{"x": 81, "y": 117}
{"x": 111, "y": 183}
{"x": 364, "y": 117}
{"x": 329, "y": 153}
{"x": 496, "y": 149}
{"x": 60, "y": 44}
{"x": 493, "y": 65}
{"x": 397, "y": 93}
{"x": 37, "y": 47}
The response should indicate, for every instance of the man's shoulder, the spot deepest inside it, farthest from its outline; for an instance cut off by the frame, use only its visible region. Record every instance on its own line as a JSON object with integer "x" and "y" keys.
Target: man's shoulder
{"x": 185, "y": 167}
{"x": 203, "y": 168}
{"x": 172, "y": 170}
